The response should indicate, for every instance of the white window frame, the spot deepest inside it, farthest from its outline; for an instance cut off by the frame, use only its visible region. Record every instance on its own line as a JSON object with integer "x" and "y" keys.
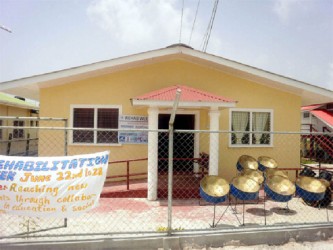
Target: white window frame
{"x": 251, "y": 111}
{"x": 95, "y": 107}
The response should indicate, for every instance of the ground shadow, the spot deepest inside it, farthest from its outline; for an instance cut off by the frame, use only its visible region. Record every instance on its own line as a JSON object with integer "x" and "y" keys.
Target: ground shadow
{"x": 259, "y": 211}
{"x": 283, "y": 211}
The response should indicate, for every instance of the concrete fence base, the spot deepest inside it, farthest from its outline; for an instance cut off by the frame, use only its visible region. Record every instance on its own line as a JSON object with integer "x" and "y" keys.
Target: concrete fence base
{"x": 195, "y": 240}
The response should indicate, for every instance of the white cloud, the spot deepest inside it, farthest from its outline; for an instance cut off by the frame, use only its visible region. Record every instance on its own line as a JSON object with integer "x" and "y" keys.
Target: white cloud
{"x": 284, "y": 9}
{"x": 141, "y": 25}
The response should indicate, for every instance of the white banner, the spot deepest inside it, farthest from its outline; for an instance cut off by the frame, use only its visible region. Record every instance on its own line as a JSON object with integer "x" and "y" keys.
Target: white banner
{"x": 59, "y": 187}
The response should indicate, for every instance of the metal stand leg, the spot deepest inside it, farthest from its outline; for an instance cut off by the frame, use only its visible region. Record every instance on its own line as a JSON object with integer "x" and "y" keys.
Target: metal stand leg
{"x": 243, "y": 213}
{"x": 286, "y": 209}
{"x": 229, "y": 205}
{"x": 214, "y": 225}
{"x": 222, "y": 214}
{"x": 265, "y": 207}
{"x": 235, "y": 209}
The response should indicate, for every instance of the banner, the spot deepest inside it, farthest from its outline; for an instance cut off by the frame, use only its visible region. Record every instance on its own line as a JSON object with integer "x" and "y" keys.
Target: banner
{"x": 133, "y": 122}
{"x": 59, "y": 187}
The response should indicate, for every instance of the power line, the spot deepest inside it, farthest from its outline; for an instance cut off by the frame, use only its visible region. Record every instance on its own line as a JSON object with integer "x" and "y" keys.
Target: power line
{"x": 195, "y": 18}
{"x": 4, "y": 28}
{"x": 210, "y": 27}
{"x": 181, "y": 23}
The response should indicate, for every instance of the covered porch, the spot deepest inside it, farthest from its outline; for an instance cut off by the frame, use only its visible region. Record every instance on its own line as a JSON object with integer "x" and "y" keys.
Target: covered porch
{"x": 192, "y": 101}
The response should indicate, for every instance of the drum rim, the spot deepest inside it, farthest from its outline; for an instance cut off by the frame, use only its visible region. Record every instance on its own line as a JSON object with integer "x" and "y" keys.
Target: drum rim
{"x": 305, "y": 188}
{"x": 226, "y": 186}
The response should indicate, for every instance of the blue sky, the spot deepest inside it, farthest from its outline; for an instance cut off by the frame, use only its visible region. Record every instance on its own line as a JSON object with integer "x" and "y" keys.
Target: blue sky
{"x": 293, "y": 38}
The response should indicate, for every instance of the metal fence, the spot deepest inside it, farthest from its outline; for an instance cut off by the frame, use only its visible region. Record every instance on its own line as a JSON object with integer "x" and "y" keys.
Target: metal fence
{"x": 124, "y": 208}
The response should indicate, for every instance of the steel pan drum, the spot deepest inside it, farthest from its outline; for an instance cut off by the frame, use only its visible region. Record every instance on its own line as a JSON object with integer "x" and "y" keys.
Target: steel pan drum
{"x": 244, "y": 188}
{"x": 306, "y": 171}
{"x": 279, "y": 188}
{"x": 254, "y": 174}
{"x": 246, "y": 162}
{"x": 310, "y": 188}
{"x": 266, "y": 162}
{"x": 214, "y": 189}
{"x": 325, "y": 182}
{"x": 325, "y": 175}
{"x": 273, "y": 171}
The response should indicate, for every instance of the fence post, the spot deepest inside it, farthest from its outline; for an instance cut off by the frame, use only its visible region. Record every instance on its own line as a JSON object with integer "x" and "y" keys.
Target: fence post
{"x": 170, "y": 159}
{"x": 10, "y": 137}
{"x": 65, "y": 153}
{"x": 66, "y": 138}
{"x": 27, "y": 146}
{"x": 127, "y": 174}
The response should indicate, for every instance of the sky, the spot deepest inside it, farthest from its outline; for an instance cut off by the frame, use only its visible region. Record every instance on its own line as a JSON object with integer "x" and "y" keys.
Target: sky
{"x": 293, "y": 38}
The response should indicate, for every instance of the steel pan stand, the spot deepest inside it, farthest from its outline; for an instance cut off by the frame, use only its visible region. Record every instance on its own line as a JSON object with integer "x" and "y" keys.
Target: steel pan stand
{"x": 243, "y": 213}
{"x": 229, "y": 205}
{"x": 214, "y": 225}
{"x": 265, "y": 206}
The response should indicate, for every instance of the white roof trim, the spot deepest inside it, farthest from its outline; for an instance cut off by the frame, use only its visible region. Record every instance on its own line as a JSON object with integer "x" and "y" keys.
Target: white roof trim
{"x": 182, "y": 104}
{"x": 17, "y": 105}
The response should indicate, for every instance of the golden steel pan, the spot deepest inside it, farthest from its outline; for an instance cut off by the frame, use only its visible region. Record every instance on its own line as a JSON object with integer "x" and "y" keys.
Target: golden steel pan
{"x": 246, "y": 162}
{"x": 254, "y": 174}
{"x": 279, "y": 188}
{"x": 214, "y": 189}
{"x": 244, "y": 188}
{"x": 273, "y": 171}
{"x": 326, "y": 183}
{"x": 310, "y": 188}
{"x": 266, "y": 162}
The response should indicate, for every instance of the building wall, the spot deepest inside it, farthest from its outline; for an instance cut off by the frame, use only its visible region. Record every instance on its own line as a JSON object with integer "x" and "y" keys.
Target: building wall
{"x": 119, "y": 87}
{"x": 17, "y": 147}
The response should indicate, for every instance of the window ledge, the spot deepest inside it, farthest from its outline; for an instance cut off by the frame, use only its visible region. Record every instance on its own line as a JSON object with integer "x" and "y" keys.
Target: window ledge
{"x": 96, "y": 144}
{"x": 250, "y": 146}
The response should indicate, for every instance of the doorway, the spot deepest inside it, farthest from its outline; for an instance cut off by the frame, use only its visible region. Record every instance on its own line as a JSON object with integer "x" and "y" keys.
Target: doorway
{"x": 183, "y": 145}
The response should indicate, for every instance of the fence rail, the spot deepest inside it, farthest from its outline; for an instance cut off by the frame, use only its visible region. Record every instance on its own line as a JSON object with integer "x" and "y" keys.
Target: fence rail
{"x": 128, "y": 174}
{"x": 132, "y": 177}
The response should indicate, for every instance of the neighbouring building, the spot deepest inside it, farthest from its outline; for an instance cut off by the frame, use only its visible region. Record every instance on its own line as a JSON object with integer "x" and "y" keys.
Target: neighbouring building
{"x": 317, "y": 118}
{"x": 14, "y": 140}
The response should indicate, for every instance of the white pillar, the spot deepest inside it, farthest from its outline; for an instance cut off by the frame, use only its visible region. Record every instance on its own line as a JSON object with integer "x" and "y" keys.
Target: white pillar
{"x": 214, "y": 115}
{"x": 152, "y": 154}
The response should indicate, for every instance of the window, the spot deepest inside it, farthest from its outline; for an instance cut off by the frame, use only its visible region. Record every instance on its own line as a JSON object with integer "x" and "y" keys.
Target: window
{"x": 18, "y": 133}
{"x": 259, "y": 122}
{"x": 95, "y": 118}
{"x": 306, "y": 114}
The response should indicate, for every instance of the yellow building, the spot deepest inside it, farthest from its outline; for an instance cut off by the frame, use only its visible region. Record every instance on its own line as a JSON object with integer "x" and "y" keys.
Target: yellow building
{"x": 217, "y": 94}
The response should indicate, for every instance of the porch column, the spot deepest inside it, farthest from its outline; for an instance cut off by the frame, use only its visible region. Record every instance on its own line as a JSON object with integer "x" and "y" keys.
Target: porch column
{"x": 152, "y": 154}
{"x": 214, "y": 115}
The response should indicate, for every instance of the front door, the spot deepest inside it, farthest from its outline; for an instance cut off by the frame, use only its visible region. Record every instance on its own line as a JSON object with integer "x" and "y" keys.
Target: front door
{"x": 183, "y": 145}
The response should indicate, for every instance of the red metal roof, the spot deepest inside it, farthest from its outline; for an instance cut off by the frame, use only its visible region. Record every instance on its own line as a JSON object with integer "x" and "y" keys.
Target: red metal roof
{"x": 311, "y": 107}
{"x": 324, "y": 115}
{"x": 187, "y": 95}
